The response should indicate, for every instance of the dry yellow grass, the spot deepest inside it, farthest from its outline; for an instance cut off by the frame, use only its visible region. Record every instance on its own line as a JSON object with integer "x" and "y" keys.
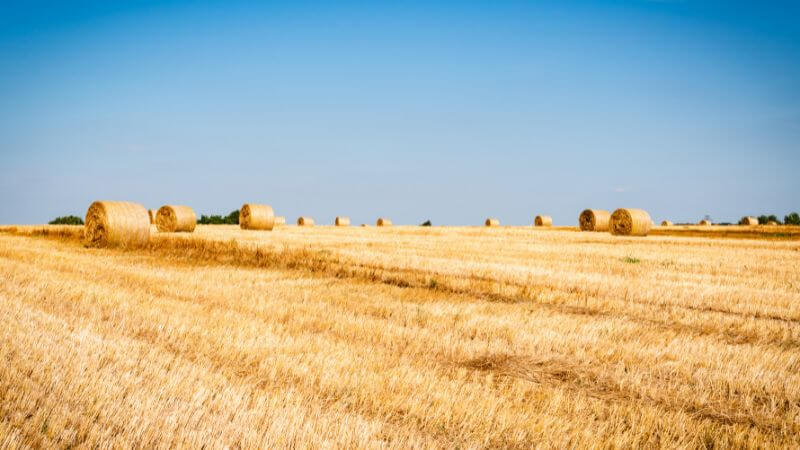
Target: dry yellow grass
{"x": 414, "y": 337}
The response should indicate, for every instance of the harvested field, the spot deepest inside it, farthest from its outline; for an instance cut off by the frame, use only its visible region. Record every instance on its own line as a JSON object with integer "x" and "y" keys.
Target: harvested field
{"x": 400, "y": 337}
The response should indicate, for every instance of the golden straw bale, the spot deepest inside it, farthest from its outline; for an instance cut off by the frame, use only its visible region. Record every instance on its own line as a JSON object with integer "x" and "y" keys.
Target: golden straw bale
{"x": 594, "y": 220}
{"x": 666, "y": 223}
{"x": 253, "y": 216}
{"x": 748, "y": 220}
{"x": 630, "y": 222}
{"x": 772, "y": 223}
{"x": 304, "y": 221}
{"x": 492, "y": 222}
{"x": 543, "y": 221}
{"x": 176, "y": 218}
{"x": 342, "y": 221}
{"x": 279, "y": 220}
{"x": 704, "y": 222}
{"x": 116, "y": 223}
{"x": 383, "y": 222}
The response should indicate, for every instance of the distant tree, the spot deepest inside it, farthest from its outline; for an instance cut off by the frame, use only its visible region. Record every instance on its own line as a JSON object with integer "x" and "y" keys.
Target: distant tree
{"x": 233, "y": 218}
{"x": 230, "y": 219}
{"x": 764, "y": 219}
{"x": 67, "y": 220}
{"x": 792, "y": 219}
{"x": 427, "y": 223}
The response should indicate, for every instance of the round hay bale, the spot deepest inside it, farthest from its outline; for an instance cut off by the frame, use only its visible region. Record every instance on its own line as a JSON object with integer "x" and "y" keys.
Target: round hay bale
{"x": 594, "y": 220}
{"x": 666, "y": 223}
{"x": 492, "y": 222}
{"x": 543, "y": 221}
{"x": 124, "y": 224}
{"x": 342, "y": 221}
{"x": 279, "y": 220}
{"x": 383, "y": 222}
{"x": 253, "y": 216}
{"x": 630, "y": 222}
{"x": 704, "y": 223}
{"x": 748, "y": 220}
{"x": 772, "y": 223}
{"x": 175, "y": 218}
{"x": 304, "y": 221}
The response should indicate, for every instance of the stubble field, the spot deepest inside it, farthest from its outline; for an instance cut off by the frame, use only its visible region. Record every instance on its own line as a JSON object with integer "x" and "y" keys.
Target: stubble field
{"x": 400, "y": 337}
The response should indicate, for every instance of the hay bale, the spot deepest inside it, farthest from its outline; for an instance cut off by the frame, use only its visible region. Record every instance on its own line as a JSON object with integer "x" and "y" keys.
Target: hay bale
{"x": 175, "y": 218}
{"x": 152, "y": 214}
{"x": 594, "y": 220}
{"x": 666, "y": 223}
{"x": 304, "y": 221}
{"x": 543, "y": 221}
{"x": 124, "y": 224}
{"x": 704, "y": 223}
{"x": 383, "y": 222}
{"x": 342, "y": 221}
{"x": 253, "y": 216}
{"x": 748, "y": 220}
{"x": 279, "y": 220}
{"x": 630, "y": 222}
{"x": 492, "y": 222}
{"x": 772, "y": 223}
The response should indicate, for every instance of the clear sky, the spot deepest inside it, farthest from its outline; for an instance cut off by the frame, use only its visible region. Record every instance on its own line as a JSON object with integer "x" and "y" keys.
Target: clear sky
{"x": 449, "y": 111}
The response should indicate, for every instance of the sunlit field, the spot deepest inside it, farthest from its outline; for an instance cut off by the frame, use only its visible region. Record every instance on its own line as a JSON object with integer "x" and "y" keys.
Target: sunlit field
{"x": 398, "y": 337}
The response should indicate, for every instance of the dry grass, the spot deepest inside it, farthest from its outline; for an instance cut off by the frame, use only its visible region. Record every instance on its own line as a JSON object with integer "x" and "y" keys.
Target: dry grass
{"x": 402, "y": 337}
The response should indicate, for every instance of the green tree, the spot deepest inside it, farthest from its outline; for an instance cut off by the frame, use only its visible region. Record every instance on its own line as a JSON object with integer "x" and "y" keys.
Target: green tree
{"x": 67, "y": 220}
{"x": 233, "y": 218}
{"x": 792, "y": 219}
{"x": 230, "y": 219}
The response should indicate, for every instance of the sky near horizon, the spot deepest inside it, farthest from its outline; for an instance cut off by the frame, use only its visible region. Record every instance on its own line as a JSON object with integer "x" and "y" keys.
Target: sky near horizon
{"x": 448, "y": 111}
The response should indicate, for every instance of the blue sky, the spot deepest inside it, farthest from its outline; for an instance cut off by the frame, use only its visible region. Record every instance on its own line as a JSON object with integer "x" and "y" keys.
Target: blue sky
{"x": 449, "y": 111}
